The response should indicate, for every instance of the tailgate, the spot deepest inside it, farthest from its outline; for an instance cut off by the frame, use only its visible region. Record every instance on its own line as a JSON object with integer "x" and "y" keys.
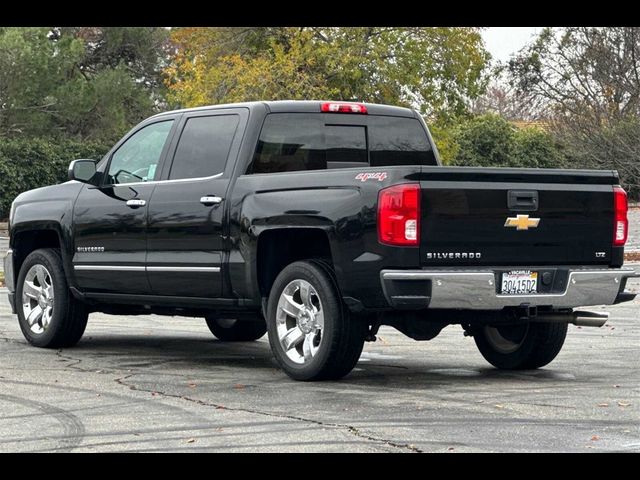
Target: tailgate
{"x": 500, "y": 216}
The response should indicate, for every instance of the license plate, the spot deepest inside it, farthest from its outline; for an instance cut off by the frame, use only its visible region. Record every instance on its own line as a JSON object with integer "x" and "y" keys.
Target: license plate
{"x": 519, "y": 282}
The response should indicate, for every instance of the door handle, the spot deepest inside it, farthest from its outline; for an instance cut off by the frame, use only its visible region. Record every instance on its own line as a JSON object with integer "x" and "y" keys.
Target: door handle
{"x": 210, "y": 200}
{"x": 136, "y": 202}
{"x": 522, "y": 200}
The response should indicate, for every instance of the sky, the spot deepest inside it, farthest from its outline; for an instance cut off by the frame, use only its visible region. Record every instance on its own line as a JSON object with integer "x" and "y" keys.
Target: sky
{"x": 502, "y": 42}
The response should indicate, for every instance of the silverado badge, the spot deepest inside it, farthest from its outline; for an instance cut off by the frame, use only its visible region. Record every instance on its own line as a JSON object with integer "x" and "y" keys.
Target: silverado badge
{"x": 522, "y": 222}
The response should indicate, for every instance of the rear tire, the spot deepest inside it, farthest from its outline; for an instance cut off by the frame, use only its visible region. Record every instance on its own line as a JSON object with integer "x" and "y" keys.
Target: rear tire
{"x": 234, "y": 330}
{"x": 49, "y": 316}
{"x": 521, "y": 347}
{"x": 311, "y": 333}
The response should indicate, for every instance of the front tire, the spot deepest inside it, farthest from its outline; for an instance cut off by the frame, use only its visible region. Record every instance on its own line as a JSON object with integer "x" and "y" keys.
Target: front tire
{"x": 521, "y": 347}
{"x": 312, "y": 335}
{"x": 49, "y": 316}
{"x": 234, "y": 330}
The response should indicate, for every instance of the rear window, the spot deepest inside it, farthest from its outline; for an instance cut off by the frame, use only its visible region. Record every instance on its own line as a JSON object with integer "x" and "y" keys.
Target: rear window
{"x": 399, "y": 141}
{"x": 299, "y": 141}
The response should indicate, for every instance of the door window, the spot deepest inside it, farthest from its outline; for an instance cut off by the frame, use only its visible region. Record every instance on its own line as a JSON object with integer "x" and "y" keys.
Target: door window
{"x": 137, "y": 158}
{"x": 204, "y": 146}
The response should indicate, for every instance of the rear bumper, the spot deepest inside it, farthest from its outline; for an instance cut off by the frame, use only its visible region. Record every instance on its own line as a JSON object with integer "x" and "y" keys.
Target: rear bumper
{"x": 477, "y": 290}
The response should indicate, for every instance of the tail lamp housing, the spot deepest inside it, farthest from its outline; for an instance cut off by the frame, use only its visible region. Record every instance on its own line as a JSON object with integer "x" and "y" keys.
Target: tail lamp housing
{"x": 621, "y": 222}
{"x": 399, "y": 215}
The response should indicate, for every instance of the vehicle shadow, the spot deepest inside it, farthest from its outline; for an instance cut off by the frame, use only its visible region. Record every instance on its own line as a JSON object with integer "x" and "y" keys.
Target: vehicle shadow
{"x": 254, "y": 362}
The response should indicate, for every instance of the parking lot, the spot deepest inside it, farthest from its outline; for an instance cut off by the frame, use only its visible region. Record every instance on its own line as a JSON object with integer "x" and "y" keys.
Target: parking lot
{"x": 163, "y": 384}
{"x": 158, "y": 383}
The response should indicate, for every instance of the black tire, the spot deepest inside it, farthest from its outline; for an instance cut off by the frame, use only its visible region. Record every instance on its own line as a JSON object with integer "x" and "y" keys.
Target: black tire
{"x": 522, "y": 347}
{"x": 233, "y": 330}
{"x": 69, "y": 316}
{"x": 342, "y": 336}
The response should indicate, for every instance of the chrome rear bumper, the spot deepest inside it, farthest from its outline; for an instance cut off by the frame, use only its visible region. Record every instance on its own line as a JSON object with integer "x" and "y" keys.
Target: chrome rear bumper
{"x": 476, "y": 289}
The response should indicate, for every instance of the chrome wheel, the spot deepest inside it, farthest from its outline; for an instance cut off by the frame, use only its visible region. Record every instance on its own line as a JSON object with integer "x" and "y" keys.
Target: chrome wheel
{"x": 506, "y": 339}
{"x": 300, "y": 321}
{"x": 37, "y": 298}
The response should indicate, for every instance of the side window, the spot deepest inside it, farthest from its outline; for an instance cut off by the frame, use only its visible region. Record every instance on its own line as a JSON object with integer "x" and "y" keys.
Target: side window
{"x": 136, "y": 160}
{"x": 204, "y": 146}
{"x": 295, "y": 142}
{"x": 398, "y": 141}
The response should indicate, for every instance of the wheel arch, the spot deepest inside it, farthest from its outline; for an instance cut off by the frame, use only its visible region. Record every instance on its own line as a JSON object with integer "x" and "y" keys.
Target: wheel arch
{"x": 27, "y": 239}
{"x": 279, "y": 247}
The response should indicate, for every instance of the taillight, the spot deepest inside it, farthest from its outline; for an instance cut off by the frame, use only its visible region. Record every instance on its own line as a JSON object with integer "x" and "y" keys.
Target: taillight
{"x": 399, "y": 215}
{"x": 621, "y": 223}
{"x": 342, "y": 107}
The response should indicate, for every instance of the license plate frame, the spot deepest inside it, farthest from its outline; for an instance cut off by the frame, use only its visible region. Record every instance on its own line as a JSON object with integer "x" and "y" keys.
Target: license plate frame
{"x": 519, "y": 282}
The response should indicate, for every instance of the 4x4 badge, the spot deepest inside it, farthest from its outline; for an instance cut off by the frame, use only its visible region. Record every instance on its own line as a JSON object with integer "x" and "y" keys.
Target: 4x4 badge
{"x": 522, "y": 222}
{"x": 363, "y": 177}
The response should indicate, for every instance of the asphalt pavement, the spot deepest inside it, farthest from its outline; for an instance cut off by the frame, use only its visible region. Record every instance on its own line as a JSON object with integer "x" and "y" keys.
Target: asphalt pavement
{"x": 158, "y": 384}
{"x": 151, "y": 383}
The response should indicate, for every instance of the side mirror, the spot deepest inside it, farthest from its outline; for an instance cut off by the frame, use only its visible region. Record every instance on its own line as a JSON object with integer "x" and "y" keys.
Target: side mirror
{"x": 82, "y": 170}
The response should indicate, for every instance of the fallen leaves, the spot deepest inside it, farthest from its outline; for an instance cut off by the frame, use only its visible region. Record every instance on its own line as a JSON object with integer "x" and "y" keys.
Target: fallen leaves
{"x": 239, "y": 386}
{"x": 595, "y": 438}
{"x": 499, "y": 406}
{"x": 621, "y": 403}
{"x": 191, "y": 440}
{"x": 192, "y": 385}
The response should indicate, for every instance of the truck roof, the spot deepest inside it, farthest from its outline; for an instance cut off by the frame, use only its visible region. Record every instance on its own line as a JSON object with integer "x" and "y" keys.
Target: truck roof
{"x": 301, "y": 106}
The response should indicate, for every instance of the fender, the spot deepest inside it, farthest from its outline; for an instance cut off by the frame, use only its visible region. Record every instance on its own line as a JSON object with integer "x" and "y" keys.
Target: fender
{"x": 47, "y": 209}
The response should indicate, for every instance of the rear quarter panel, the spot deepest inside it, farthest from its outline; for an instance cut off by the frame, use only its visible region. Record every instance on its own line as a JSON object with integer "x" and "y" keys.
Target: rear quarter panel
{"x": 334, "y": 201}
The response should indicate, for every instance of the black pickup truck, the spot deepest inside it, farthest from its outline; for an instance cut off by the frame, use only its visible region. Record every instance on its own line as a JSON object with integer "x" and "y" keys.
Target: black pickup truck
{"x": 317, "y": 222}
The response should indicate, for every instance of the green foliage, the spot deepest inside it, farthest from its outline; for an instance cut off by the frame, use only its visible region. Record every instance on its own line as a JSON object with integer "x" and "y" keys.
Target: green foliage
{"x": 80, "y": 82}
{"x": 487, "y": 140}
{"x": 491, "y": 141}
{"x": 439, "y": 69}
{"x": 444, "y": 136}
{"x": 536, "y": 148}
{"x": 31, "y": 163}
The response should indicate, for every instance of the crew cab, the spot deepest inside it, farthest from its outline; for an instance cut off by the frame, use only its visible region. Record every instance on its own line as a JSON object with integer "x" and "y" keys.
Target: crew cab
{"x": 317, "y": 222}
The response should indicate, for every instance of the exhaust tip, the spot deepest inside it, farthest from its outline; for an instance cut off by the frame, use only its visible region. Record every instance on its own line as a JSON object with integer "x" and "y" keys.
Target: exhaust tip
{"x": 590, "y": 319}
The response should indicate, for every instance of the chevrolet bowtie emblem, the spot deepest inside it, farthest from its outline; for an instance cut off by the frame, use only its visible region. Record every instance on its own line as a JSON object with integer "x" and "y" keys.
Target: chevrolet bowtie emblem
{"x": 522, "y": 222}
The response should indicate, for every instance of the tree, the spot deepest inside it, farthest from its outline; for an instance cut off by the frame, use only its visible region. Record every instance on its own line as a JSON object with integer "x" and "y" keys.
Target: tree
{"x": 502, "y": 98}
{"x": 491, "y": 141}
{"x": 588, "y": 80}
{"x": 439, "y": 70}
{"x": 485, "y": 141}
{"x": 78, "y": 82}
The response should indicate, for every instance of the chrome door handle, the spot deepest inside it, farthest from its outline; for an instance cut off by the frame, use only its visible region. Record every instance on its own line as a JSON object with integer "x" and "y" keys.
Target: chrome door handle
{"x": 210, "y": 200}
{"x": 136, "y": 202}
